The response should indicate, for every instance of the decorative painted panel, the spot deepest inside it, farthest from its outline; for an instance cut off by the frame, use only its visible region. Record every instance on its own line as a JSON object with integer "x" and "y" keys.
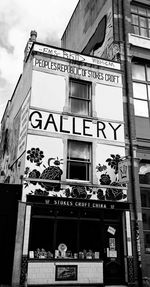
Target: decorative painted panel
{"x": 44, "y": 160}
{"x": 109, "y": 102}
{"x": 48, "y": 91}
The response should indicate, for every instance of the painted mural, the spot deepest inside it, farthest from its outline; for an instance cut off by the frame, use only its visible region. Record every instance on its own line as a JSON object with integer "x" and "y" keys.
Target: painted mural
{"x": 45, "y": 166}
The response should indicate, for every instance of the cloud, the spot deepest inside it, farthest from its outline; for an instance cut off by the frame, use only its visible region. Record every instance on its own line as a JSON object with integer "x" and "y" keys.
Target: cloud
{"x": 17, "y": 18}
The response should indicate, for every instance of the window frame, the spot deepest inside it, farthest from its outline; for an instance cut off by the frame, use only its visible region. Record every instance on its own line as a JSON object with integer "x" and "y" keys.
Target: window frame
{"x": 145, "y": 82}
{"x": 87, "y": 162}
{"x": 71, "y": 217}
{"x": 145, "y": 201}
{"x": 145, "y": 209}
{"x": 139, "y": 15}
{"x": 87, "y": 100}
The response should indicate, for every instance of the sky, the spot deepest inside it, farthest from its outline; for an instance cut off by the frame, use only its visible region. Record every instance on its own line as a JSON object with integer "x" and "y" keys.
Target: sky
{"x": 48, "y": 18}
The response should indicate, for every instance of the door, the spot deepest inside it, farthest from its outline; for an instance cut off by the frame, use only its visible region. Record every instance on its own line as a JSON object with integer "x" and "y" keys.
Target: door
{"x": 113, "y": 254}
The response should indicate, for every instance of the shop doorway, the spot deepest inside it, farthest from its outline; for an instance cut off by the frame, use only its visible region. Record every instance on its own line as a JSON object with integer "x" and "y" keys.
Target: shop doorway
{"x": 113, "y": 254}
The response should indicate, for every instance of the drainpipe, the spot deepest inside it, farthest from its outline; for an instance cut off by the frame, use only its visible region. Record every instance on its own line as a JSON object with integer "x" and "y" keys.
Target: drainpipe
{"x": 128, "y": 79}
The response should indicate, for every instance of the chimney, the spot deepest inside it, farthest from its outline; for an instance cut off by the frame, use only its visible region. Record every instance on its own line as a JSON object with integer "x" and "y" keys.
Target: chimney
{"x": 33, "y": 36}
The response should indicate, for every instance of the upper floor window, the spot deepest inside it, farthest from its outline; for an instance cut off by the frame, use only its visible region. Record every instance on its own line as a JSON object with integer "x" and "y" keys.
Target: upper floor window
{"x": 78, "y": 160}
{"x": 144, "y": 178}
{"x": 144, "y": 172}
{"x": 141, "y": 89}
{"x": 80, "y": 97}
{"x": 140, "y": 20}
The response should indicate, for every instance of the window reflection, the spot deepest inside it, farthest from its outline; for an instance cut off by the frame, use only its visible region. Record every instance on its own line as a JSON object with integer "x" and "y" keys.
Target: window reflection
{"x": 140, "y": 108}
{"x": 144, "y": 172}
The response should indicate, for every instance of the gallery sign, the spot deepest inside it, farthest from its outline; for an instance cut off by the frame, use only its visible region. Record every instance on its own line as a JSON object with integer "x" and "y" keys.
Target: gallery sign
{"x": 78, "y": 126}
{"x": 53, "y": 51}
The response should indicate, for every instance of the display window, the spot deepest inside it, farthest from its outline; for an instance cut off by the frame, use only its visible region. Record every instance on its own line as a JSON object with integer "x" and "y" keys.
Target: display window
{"x": 72, "y": 234}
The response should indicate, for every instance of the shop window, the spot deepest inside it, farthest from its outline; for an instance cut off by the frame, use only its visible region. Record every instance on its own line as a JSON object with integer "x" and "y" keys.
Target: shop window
{"x": 66, "y": 233}
{"x": 42, "y": 230}
{"x": 144, "y": 171}
{"x": 93, "y": 231}
{"x": 78, "y": 160}
{"x": 80, "y": 97}
{"x": 144, "y": 179}
{"x": 81, "y": 236}
{"x": 145, "y": 199}
{"x": 140, "y": 17}
{"x": 141, "y": 89}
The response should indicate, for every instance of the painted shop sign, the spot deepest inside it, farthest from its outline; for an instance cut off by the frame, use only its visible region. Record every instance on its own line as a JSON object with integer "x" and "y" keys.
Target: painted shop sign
{"x": 75, "y": 56}
{"x": 57, "y": 123}
{"x": 123, "y": 172}
{"x": 74, "y": 203}
{"x": 82, "y": 71}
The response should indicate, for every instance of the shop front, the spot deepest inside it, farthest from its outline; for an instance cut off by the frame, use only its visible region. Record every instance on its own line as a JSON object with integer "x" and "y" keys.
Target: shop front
{"x": 75, "y": 241}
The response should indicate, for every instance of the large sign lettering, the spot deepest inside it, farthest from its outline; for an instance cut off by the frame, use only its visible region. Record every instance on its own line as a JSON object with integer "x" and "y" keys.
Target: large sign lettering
{"x": 75, "y": 203}
{"x": 99, "y": 75}
{"x": 57, "y": 123}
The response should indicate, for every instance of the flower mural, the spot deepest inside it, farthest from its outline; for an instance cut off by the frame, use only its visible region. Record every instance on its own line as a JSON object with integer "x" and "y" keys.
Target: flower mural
{"x": 44, "y": 170}
{"x": 111, "y": 193}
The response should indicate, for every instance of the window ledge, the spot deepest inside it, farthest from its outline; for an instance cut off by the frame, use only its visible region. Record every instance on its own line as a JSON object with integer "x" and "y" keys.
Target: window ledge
{"x": 139, "y": 41}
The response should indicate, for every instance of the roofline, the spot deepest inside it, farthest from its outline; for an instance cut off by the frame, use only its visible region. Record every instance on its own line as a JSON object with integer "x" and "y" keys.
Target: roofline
{"x": 71, "y": 51}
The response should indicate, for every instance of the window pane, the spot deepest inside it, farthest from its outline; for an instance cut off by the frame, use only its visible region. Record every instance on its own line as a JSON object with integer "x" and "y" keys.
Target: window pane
{"x": 78, "y": 160}
{"x": 79, "y": 150}
{"x": 68, "y": 238}
{"x": 145, "y": 197}
{"x": 134, "y": 9}
{"x": 79, "y": 90}
{"x": 148, "y": 23}
{"x": 79, "y": 107}
{"x": 134, "y": 19}
{"x": 90, "y": 240}
{"x": 146, "y": 219}
{"x": 136, "y": 30}
{"x": 78, "y": 170}
{"x": 141, "y": 11}
{"x": 143, "y": 32}
{"x": 140, "y": 108}
{"x": 147, "y": 241}
{"x": 80, "y": 97}
{"x": 148, "y": 73}
{"x": 149, "y": 92}
{"x": 142, "y": 22}
{"x": 148, "y": 12}
{"x": 42, "y": 234}
{"x": 139, "y": 91}
{"x": 144, "y": 174}
{"x": 138, "y": 72}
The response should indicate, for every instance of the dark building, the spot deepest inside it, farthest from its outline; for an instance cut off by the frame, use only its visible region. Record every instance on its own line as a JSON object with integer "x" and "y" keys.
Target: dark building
{"x": 10, "y": 194}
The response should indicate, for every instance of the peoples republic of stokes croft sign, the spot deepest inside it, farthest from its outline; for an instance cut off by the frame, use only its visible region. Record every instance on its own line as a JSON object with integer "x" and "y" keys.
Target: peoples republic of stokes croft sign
{"x": 57, "y": 123}
{"x": 98, "y": 75}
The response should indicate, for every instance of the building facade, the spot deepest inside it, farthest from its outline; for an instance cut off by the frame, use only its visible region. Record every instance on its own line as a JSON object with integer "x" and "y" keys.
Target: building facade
{"x": 64, "y": 141}
{"x": 121, "y": 30}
